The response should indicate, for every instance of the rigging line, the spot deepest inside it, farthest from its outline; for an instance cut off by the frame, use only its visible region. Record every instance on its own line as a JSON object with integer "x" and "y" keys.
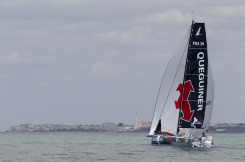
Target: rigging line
{"x": 195, "y": 74}
{"x": 175, "y": 76}
{"x": 194, "y": 100}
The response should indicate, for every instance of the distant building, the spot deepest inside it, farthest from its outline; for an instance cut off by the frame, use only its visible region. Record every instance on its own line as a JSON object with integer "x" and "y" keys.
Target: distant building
{"x": 144, "y": 124}
{"x": 108, "y": 126}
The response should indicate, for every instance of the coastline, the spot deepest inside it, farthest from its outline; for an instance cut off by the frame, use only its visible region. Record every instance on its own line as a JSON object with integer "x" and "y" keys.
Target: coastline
{"x": 111, "y": 127}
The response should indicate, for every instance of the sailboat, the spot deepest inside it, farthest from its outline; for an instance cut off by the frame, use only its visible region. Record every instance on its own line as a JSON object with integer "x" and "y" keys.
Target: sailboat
{"x": 185, "y": 99}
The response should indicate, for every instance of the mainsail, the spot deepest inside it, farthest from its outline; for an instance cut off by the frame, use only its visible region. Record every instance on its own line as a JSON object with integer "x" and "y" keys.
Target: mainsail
{"x": 197, "y": 96}
{"x": 185, "y": 98}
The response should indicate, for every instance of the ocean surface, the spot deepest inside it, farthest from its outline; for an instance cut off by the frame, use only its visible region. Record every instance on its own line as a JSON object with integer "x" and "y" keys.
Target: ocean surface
{"x": 77, "y": 146}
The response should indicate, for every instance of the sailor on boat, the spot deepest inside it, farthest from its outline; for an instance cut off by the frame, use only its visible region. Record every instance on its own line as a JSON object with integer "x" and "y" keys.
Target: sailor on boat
{"x": 203, "y": 137}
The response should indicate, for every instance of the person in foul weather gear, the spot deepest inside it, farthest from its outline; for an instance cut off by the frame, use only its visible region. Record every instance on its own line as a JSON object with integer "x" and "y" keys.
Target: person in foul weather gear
{"x": 203, "y": 137}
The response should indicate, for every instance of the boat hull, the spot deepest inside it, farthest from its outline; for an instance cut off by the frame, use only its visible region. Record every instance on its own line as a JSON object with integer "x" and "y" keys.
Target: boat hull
{"x": 180, "y": 141}
{"x": 162, "y": 139}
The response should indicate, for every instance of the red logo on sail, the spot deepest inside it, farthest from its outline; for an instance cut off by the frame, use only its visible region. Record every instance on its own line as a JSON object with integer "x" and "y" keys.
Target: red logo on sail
{"x": 185, "y": 107}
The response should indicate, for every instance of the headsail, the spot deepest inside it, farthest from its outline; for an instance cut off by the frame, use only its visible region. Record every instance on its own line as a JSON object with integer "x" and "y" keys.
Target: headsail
{"x": 164, "y": 108}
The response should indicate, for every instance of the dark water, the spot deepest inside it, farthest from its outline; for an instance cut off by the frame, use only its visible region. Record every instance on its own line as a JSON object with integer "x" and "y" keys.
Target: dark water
{"x": 112, "y": 147}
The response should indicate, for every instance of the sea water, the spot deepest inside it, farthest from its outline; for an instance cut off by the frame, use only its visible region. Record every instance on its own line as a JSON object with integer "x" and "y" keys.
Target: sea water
{"x": 80, "y": 146}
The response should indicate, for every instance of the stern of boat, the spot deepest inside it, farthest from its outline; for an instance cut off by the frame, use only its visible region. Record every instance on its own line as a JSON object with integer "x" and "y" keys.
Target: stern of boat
{"x": 207, "y": 142}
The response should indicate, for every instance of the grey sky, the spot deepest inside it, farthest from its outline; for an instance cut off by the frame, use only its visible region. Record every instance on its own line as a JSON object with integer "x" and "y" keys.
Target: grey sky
{"x": 95, "y": 61}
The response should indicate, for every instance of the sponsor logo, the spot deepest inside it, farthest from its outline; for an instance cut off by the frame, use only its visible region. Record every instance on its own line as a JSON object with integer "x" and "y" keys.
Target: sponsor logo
{"x": 185, "y": 106}
{"x": 201, "y": 76}
{"x": 195, "y": 123}
{"x": 198, "y": 32}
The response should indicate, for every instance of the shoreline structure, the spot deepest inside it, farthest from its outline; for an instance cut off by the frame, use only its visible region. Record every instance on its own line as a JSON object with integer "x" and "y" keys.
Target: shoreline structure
{"x": 112, "y": 127}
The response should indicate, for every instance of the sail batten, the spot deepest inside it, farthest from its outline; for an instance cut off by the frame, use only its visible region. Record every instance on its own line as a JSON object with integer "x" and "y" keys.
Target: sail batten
{"x": 198, "y": 48}
{"x": 195, "y": 74}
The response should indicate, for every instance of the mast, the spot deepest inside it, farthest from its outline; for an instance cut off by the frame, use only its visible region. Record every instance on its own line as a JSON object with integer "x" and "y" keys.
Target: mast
{"x": 183, "y": 82}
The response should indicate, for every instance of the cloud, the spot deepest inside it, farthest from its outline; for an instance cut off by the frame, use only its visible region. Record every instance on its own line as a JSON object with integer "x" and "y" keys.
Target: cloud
{"x": 12, "y": 3}
{"x": 70, "y": 45}
{"x": 12, "y": 57}
{"x": 153, "y": 56}
{"x": 67, "y": 1}
{"x": 107, "y": 69}
{"x": 226, "y": 11}
{"x": 170, "y": 16}
{"x": 132, "y": 36}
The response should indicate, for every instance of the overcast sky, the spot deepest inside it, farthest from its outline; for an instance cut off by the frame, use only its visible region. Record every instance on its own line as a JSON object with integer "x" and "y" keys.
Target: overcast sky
{"x": 95, "y": 61}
